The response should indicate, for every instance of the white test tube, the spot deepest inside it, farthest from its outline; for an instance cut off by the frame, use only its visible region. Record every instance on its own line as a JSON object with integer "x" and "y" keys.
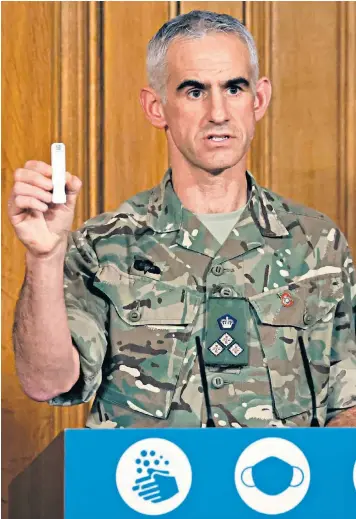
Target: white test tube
{"x": 58, "y": 160}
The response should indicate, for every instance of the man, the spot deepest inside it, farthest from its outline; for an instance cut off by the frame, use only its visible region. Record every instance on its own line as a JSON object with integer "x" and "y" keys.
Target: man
{"x": 268, "y": 286}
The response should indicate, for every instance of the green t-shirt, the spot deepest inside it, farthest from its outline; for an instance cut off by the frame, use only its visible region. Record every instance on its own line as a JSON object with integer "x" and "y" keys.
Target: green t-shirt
{"x": 220, "y": 224}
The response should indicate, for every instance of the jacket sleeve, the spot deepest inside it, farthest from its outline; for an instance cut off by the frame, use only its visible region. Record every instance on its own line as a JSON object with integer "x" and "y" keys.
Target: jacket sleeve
{"x": 87, "y": 313}
{"x": 342, "y": 382}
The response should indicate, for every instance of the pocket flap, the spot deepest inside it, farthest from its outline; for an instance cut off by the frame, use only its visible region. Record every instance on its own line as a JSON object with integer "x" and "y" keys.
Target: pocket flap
{"x": 142, "y": 301}
{"x": 299, "y": 304}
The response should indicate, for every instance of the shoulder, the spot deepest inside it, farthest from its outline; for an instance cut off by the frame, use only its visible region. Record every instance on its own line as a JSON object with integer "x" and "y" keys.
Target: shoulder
{"x": 130, "y": 214}
{"x": 306, "y": 224}
{"x": 289, "y": 209}
{"x": 109, "y": 236}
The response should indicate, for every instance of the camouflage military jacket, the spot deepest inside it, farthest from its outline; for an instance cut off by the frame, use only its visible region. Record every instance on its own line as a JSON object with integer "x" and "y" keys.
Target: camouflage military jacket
{"x": 138, "y": 284}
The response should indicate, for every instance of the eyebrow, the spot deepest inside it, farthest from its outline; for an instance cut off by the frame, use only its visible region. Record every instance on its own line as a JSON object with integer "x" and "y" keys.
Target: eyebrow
{"x": 202, "y": 86}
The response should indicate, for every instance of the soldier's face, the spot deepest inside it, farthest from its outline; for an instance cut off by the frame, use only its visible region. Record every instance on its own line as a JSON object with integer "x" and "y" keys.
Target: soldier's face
{"x": 209, "y": 107}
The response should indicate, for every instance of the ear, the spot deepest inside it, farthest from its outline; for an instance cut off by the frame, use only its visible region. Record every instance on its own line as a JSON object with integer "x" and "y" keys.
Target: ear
{"x": 262, "y": 97}
{"x": 153, "y": 107}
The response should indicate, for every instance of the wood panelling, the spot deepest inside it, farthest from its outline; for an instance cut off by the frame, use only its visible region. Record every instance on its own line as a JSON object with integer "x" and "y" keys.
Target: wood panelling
{"x": 77, "y": 86}
{"x": 232, "y": 8}
{"x": 135, "y": 156}
{"x": 27, "y": 126}
{"x": 305, "y": 104}
{"x": 258, "y": 22}
{"x": 304, "y": 147}
{"x": 95, "y": 85}
{"x": 51, "y": 92}
{"x": 312, "y": 114}
{"x": 347, "y": 119}
{"x": 173, "y": 9}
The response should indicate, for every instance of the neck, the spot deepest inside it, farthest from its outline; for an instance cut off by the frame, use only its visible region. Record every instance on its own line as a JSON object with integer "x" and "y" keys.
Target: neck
{"x": 202, "y": 192}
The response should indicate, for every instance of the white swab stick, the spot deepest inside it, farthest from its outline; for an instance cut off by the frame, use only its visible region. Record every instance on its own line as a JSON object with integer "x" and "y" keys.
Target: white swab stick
{"x": 58, "y": 159}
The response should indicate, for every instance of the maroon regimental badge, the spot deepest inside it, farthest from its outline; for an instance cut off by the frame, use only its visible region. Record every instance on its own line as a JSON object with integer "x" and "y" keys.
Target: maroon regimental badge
{"x": 287, "y": 299}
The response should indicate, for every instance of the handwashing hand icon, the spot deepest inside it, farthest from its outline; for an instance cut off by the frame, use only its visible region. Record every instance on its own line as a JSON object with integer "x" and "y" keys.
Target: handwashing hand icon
{"x": 158, "y": 486}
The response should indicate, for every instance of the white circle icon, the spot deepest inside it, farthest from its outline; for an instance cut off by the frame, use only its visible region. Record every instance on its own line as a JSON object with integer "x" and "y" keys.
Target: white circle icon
{"x": 355, "y": 475}
{"x": 153, "y": 476}
{"x": 272, "y": 476}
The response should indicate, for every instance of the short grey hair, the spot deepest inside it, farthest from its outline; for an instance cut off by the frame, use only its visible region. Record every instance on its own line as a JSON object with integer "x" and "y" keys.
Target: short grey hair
{"x": 193, "y": 25}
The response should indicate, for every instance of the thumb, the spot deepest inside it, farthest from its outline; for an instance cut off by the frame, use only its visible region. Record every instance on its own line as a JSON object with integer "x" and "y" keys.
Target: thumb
{"x": 73, "y": 186}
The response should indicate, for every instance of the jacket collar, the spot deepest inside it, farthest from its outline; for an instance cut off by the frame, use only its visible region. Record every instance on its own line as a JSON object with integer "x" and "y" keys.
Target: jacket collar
{"x": 165, "y": 211}
{"x": 164, "y": 207}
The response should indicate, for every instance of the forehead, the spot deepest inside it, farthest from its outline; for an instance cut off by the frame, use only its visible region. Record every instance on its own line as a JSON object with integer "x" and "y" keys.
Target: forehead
{"x": 211, "y": 56}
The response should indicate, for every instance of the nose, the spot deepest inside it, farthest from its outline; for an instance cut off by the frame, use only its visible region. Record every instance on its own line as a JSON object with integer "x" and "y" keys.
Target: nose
{"x": 218, "y": 110}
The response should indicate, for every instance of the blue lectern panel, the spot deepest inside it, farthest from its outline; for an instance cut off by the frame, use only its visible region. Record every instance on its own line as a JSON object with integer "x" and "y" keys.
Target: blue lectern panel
{"x": 210, "y": 473}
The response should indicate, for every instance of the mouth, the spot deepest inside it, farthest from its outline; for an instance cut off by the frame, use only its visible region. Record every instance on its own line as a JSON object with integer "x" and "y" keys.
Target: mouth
{"x": 218, "y": 138}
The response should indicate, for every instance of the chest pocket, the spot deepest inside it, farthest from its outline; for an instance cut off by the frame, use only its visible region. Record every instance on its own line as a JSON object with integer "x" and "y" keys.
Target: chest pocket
{"x": 301, "y": 313}
{"x": 150, "y": 325}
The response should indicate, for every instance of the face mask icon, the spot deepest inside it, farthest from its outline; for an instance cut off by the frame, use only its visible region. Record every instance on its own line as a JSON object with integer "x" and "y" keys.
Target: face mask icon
{"x": 272, "y": 476}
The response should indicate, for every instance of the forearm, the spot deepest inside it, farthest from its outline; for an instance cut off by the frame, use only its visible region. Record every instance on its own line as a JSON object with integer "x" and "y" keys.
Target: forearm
{"x": 46, "y": 360}
{"x": 345, "y": 418}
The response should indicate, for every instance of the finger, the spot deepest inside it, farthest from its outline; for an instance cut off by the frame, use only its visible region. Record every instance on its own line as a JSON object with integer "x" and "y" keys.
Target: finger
{"x": 152, "y": 488}
{"x": 145, "y": 478}
{"x": 149, "y": 498}
{"x": 73, "y": 183}
{"x": 34, "y": 178}
{"x": 40, "y": 167}
{"x": 157, "y": 499}
{"x": 45, "y": 169}
{"x": 150, "y": 491}
{"x": 73, "y": 186}
{"x": 23, "y": 189}
{"x": 27, "y": 202}
{"x": 149, "y": 485}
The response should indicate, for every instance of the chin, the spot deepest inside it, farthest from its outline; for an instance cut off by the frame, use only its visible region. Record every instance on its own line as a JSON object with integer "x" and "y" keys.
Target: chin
{"x": 218, "y": 167}
{"x": 220, "y": 161}
{"x": 217, "y": 170}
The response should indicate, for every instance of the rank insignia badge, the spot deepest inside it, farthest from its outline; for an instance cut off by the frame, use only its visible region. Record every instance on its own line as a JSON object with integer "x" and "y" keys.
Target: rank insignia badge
{"x": 226, "y": 332}
{"x": 227, "y": 322}
{"x": 216, "y": 349}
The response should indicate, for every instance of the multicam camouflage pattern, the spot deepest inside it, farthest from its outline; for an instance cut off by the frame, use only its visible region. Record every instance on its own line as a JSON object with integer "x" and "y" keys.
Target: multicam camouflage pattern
{"x": 135, "y": 330}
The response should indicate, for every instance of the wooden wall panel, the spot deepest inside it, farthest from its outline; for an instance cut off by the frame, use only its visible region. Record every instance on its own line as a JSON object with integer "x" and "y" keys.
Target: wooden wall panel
{"x": 51, "y": 92}
{"x": 77, "y": 45}
{"x": 27, "y": 123}
{"x": 311, "y": 145}
{"x": 347, "y": 118}
{"x": 305, "y": 104}
{"x": 304, "y": 147}
{"x": 135, "y": 156}
{"x": 232, "y": 8}
{"x": 258, "y": 22}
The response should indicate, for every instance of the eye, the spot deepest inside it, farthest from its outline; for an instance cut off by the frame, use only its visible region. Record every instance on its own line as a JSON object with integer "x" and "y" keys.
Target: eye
{"x": 195, "y": 94}
{"x": 233, "y": 90}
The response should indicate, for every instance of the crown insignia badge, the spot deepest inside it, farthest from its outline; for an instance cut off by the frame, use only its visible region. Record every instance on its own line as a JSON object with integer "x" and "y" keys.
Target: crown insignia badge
{"x": 227, "y": 322}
